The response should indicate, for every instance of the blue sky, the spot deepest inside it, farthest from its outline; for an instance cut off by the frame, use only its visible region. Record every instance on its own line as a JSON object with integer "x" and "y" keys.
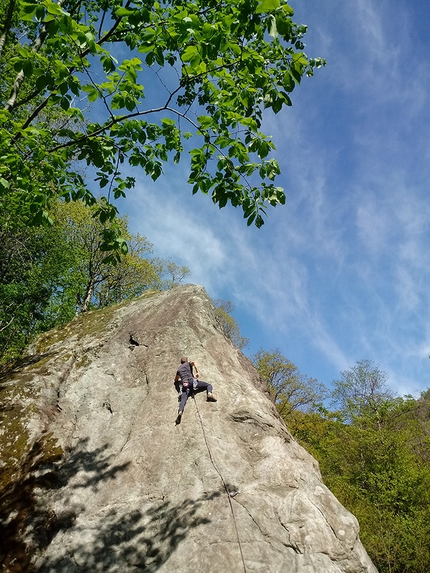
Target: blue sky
{"x": 341, "y": 273}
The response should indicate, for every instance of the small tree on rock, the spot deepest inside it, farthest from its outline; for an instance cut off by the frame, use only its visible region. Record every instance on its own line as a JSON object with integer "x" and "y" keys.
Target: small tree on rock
{"x": 290, "y": 389}
{"x": 223, "y": 312}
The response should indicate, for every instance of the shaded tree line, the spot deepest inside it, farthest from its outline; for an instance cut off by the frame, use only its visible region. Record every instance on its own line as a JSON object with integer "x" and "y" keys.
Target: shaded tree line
{"x": 50, "y": 274}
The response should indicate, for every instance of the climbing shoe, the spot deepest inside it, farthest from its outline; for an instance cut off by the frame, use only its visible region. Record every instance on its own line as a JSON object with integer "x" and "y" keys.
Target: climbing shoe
{"x": 211, "y": 397}
{"x": 179, "y": 418}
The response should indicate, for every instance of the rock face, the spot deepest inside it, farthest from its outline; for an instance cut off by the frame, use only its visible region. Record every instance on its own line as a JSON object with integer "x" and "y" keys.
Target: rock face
{"x": 96, "y": 476}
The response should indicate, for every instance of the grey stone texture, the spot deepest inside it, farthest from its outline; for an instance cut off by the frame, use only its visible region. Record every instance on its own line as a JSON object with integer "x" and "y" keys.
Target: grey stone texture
{"x": 97, "y": 476}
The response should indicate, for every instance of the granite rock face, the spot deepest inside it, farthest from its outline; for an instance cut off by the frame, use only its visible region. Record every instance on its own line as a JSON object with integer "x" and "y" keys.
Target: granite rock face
{"x": 96, "y": 476}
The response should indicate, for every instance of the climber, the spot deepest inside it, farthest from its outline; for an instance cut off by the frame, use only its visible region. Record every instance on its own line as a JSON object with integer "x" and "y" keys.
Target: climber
{"x": 186, "y": 382}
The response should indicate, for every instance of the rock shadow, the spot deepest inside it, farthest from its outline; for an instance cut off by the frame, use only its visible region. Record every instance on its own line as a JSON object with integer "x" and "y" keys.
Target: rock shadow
{"x": 8, "y": 370}
{"x": 140, "y": 540}
{"x": 26, "y": 527}
{"x": 136, "y": 541}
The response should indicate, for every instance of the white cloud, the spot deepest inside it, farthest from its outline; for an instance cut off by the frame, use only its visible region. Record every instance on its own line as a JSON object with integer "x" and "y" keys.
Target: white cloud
{"x": 341, "y": 272}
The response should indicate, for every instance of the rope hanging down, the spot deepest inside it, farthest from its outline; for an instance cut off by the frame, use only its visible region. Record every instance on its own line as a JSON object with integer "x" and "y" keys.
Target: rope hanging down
{"x": 223, "y": 483}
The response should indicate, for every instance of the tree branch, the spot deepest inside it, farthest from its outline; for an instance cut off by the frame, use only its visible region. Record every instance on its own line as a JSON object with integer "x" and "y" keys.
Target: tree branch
{"x": 20, "y": 76}
{"x": 12, "y": 104}
{"x": 6, "y": 325}
{"x": 7, "y": 25}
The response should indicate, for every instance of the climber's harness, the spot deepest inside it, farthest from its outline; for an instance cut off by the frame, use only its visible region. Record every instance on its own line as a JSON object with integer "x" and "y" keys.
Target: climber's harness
{"x": 188, "y": 385}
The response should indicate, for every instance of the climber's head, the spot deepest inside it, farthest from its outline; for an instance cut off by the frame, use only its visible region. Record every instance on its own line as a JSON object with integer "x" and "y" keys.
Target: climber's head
{"x": 184, "y": 359}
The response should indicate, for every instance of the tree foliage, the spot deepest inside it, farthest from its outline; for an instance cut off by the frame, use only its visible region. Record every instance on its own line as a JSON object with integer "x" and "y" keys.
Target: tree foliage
{"x": 290, "y": 389}
{"x": 377, "y": 465}
{"x": 361, "y": 391}
{"x": 100, "y": 283}
{"x": 48, "y": 275}
{"x": 33, "y": 262}
{"x": 175, "y": 273}
{"x": 95, "y": 84}
{"x": 229, "y": 325}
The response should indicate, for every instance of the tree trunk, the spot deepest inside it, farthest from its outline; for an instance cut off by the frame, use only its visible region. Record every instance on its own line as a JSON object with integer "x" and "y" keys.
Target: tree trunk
{"x": 88, "y": 295}
{"x": 7, "y": 24}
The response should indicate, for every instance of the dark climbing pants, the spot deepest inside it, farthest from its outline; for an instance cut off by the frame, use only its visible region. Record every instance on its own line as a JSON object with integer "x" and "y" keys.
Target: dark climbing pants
{"x": 201, "y": 387}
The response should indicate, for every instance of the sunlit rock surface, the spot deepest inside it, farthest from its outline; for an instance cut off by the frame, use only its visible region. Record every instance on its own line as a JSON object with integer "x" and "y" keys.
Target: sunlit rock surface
{"x": 96, "y": 476}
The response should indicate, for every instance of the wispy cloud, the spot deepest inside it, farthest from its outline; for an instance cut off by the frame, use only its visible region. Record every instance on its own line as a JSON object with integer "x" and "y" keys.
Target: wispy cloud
{"x": 342, "y": 272}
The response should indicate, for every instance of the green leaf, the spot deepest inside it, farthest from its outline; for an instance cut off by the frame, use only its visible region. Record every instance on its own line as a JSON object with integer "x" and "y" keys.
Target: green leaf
{"x": 41, "y": 82}
{"x": 92, "y": 91}
{"x": 28, "y": 11}
{"x": 150, "y": 58}
{"x": 5, "y": 184}
{"x": 265, "y": 6}
{"x": 120, "y": 12}
{"x": 190, "y": 53}
{"x": 205, "y": 121}
{"x": 40, "y": 13}
{"x": 287, "y": 9}
{"x": 27, "y": 67}
{"x": 251, "y": 218}
{"x": 54, "y": 8}
{"x": 159, "y": 57}
{"x": 65, "y": 103}
{"x": 264, "y": 149}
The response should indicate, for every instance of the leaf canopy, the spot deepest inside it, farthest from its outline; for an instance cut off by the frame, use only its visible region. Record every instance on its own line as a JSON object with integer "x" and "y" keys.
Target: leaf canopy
{"x": 91, "y": 85}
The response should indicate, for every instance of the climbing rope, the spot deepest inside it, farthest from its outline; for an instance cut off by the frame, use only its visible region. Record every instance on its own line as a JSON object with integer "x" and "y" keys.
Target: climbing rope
{"x": 223, "y": 483}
